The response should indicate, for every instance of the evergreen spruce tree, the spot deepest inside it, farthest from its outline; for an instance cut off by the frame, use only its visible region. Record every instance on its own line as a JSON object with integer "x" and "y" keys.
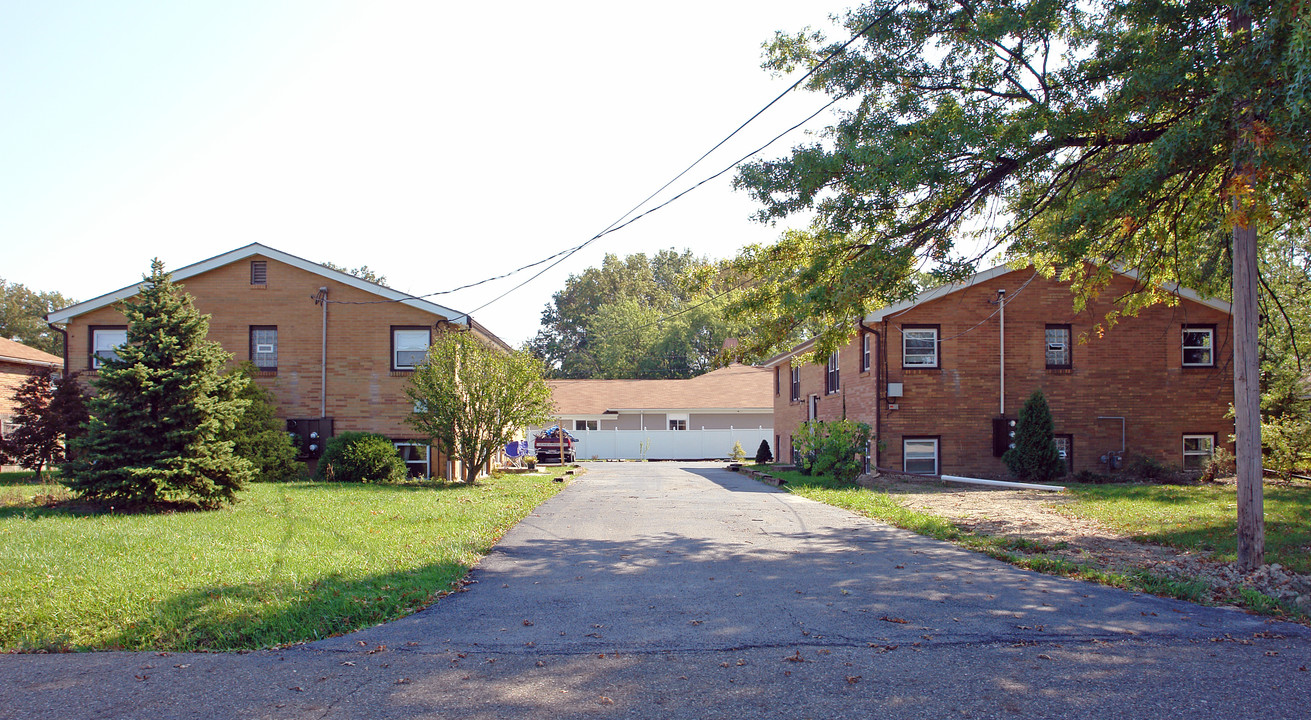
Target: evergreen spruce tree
{"x": 161, "y": 409}
{"x": 763, "y": 454}
{"x": 1035, "y": 457}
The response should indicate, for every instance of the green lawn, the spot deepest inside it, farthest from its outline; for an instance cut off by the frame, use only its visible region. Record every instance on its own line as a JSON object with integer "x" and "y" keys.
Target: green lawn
{"x": 1200, "y": 517}
{"x": 288, "y": 563}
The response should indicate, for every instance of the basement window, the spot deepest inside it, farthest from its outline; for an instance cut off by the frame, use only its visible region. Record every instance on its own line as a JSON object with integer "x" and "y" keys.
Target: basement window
{"x": 919, "y": 456}
{"x": 417, "y": 457}
{"x": 1198, "y": 449}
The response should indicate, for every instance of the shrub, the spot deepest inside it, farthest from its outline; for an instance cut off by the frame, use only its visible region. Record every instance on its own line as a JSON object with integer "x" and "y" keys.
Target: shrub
{"x": 832, "y": 448}
{"x": 738, "y": 454}
{"x": 260, "y": 439}
{"x": 1035, "y": 457}
{"x": 1287, "y": 441}
{"x": 763, "y": 455}
{"x": 360, "y": 457}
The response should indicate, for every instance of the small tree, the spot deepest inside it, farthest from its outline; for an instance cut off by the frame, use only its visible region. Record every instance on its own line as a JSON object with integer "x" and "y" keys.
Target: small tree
{"x": 472, "y": 398}
{"x": 738, "y": 454}
{"x": 259, "y": 437}
{"x": 1035, "y": 457}
{"x": 361, "y": 457}
{"x": 763, "y": 454}
{"x": 37, "y": 443}
{"x": 161, "y": 409}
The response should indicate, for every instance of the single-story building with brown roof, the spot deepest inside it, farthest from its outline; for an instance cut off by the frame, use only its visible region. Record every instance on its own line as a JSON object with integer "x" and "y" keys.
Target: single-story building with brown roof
{"x": 693, "y": 419}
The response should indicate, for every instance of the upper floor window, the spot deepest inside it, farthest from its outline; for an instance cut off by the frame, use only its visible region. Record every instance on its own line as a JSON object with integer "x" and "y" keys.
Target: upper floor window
{"x": 409, "y": 346}
{"x": 259, "y": 272}
{"x": 105, "y": 342}
{"x": 831, "y": 383}
{"x": 264, "y": 346}
{"x": 1199, "y": 345}
{"x": 796, "y": 385}
{"x": 1058, "y": 347}
{"x": 778, "y": 382}
{"x": 919, "y": 347}
{"x": 865, "y": 354}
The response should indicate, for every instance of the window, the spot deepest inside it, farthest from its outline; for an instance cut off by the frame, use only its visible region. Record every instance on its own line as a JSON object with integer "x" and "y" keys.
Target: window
{"x": 1199, "y": 346}
{"x": 1058, "y": 347}
{"x": 919, "y": 347}
{"x": 409, "y": 345}
{"x": 796, "y": 384}
{"x": 1065, "y": 448}
{"x": 259, "y": 272}
{"x": 831, "y": 384}
{"x": 104, "y": 343}
{"x": 264, "y": 346}
{"x": 675, "y": 424}
{"x": 778, "y": 380}
{"x": 417, "y": 457}
{"x": 586, "y": 424}
{"x": 865, "y": 352}
{"x": 919, "y": 456}
{"x": 1197, "y": 450}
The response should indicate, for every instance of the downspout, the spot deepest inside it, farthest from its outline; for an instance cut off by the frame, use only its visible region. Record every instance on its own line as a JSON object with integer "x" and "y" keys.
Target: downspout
{"x": 878, "y": 387}
{"x": 1001, "y": 302}
{"x": 63, "y": 332}
{"x": 323, "y": 356}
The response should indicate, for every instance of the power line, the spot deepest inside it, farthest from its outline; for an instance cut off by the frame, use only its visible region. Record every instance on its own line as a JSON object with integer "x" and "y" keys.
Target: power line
{"x": 621, "y": 223}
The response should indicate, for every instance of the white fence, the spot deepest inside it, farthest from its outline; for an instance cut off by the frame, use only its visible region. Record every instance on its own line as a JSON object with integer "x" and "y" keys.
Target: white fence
{"x": 668, "y": 444}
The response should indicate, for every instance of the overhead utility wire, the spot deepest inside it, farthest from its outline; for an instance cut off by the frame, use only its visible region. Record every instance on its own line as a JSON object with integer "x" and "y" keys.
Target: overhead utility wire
{"x": 619, "y": 224}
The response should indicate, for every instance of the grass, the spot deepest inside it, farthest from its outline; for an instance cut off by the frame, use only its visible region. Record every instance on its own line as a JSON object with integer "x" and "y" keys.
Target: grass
{"x": 1200, "y": 517}
{"x": 288, "y": 563}
{"x": 1165, "y": 517}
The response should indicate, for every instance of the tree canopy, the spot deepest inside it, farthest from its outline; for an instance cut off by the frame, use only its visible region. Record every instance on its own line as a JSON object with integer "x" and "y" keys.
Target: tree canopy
{"x": 22, "y": 316}
{"x": 1060, "y": 130}
{"x": 471, "y": 398}
{"x": 639, "y": 317}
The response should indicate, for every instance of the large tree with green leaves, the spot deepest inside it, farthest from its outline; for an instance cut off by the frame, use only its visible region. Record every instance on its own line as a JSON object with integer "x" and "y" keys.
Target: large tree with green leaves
{"x": 22, "y": 316}
{"x": 639, "y": 317}
{"x": 471, "y": 397}
{"x": 1078, "y": 134}
{"x": 161, "y": 409}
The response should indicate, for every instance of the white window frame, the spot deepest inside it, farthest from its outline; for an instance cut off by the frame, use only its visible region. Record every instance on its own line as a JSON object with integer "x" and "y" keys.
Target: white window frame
{"x": 99, "y": 349}
{"x": 397, "y": 347}
{"x": 587, "y": 425}
{"x": 426, "y": 462}
{"x": 906, "y": 455}
{"x": 930, "y": 360}
{"x": 1208, "y": 346}
{"x": 1205, "y": 453}
{"x": 865, "y": 358}
{"x": 832, "y": 378}
{"x": 676, "y": 421}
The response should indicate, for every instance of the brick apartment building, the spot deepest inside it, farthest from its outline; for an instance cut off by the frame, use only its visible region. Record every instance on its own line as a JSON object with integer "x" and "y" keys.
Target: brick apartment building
{"x": 333, "y": 366}
{"x": 928, "y": 375}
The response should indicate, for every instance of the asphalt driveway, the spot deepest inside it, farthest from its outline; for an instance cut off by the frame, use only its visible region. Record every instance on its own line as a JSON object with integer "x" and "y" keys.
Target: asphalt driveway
{"x": 685, "y": 591}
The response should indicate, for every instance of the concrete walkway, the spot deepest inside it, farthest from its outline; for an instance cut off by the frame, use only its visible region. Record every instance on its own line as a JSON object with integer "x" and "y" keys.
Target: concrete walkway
{"x": 684, "y": 591}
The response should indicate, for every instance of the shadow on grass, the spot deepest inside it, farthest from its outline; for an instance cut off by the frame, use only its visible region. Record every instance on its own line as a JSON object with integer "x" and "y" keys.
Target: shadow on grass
{"x": 277, "y": 611}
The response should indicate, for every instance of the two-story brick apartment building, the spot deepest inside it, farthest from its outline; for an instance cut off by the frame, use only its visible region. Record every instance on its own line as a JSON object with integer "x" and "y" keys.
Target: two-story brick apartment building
{"x": 932, "y": 379}
{"x": 336, "y": 351}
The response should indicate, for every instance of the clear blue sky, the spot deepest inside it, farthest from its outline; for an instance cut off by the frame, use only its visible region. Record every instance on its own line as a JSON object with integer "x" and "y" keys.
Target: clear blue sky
{"x": 436, "y": 142}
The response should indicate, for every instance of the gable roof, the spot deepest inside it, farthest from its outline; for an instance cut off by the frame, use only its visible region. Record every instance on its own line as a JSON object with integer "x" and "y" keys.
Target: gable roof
{"x": 736, "y": 387}
{"x": 986, "y": 275}
{"x": 16, "y": 352}
{"x": 983, "y": 276}
{"x": 254, "y": 249}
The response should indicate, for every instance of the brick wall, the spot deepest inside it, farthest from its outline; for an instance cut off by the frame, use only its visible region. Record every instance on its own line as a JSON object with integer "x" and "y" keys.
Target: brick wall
{"x": 1133, "y": 370}
{"x": 362, "y": 393}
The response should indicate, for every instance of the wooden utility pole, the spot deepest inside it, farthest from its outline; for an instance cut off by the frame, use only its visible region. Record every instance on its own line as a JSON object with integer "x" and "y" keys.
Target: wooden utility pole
{"x": 1247, "y": 390}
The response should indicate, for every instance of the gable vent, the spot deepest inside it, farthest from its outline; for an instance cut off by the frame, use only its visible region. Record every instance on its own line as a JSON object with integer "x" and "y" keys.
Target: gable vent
{"x": 259, "y": 272}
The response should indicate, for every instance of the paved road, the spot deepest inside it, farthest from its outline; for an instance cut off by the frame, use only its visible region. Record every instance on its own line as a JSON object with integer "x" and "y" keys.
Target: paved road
{"x": 664, "y": 591}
